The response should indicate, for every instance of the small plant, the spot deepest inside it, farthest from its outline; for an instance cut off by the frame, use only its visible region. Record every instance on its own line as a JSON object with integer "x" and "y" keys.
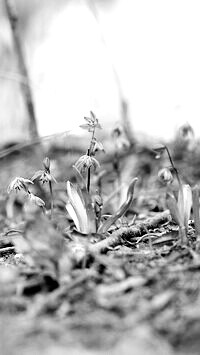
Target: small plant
{"x": 81, "y": 210}
{"x": 121, "y": 143}
{"x": 87, "y": 161}
{"x": 45, "y": 176}
{"x": 85, "y": 211}
{"x": 180, "y": 208}
{"x": 82, "y": 206}
{"x": 20, "y": 183}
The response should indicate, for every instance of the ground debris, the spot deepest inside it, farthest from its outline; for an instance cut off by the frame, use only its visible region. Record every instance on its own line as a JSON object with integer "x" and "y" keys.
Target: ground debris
{"x": 134, "y": 290}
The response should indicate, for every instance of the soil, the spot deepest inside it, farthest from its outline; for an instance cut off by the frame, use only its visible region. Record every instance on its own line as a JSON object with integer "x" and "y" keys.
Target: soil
{"x": 59, "y": 295}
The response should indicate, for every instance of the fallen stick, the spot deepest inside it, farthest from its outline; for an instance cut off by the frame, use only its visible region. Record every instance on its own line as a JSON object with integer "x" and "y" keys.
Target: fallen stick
{"x": 6, "y": 250}
{"x": 129, "y": 233}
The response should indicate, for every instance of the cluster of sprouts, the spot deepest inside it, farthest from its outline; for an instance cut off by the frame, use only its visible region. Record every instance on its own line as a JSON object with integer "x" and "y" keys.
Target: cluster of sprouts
{"x": 81, "y": 205}
{"x": 85, "y": 208}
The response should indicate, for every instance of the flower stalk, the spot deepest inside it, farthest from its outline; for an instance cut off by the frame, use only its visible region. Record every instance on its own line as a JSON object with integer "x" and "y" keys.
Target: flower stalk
{"x": 46, "y": 176}
{"x": 87, "y": 161}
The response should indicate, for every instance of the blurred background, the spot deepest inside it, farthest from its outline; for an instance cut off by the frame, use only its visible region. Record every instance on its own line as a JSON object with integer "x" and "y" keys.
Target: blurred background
{"x": 98, "y": 55}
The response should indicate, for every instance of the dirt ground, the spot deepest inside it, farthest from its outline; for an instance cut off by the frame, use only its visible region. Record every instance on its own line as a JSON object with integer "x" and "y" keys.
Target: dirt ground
{"x": 61, "y": 293}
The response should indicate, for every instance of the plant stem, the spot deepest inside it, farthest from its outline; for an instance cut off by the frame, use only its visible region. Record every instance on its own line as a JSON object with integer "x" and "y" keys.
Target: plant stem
{"x": 182, "y": 234}
{"x": 173, "y": 167}
{"x": 116, "y": 168}
{"x": 88, "y": 173}
{"x": 51, "y": 194}
{"x": 89, "y": 152}
{"x": 88, "y": 179}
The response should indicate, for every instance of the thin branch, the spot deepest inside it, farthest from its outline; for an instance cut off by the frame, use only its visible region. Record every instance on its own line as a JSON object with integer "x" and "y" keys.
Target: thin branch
{"x": 39, "y": 140}
{"x": 129, "y": 233}
{"x": 7, "y": 250}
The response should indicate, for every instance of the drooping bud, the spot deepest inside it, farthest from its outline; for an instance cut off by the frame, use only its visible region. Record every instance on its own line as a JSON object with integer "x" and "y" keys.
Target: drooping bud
{"x": 186, "y": 132}
{"x": 36, "y": 200}
{"x": 165, "y": 176}
{"x": 159, "y": 151}
{"x": 19, "y": 183}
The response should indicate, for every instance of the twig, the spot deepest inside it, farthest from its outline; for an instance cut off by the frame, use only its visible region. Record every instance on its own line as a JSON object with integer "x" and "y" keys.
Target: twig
{"x": 18, "y": 231}
{"x": 39, "y": 140}
{"x": 129, "y": 233}
{"x": 7, "y": 250}
{"x": 26, "y": 89}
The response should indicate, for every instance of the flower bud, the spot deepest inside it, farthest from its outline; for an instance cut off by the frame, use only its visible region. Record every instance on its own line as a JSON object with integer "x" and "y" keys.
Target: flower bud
{"x": 186, "y": 132}
{"x": 165, "y": 176}
{"x": 36, "y": 200}
{"x": 159, "y": 151}
{"x": 46, "y": 163}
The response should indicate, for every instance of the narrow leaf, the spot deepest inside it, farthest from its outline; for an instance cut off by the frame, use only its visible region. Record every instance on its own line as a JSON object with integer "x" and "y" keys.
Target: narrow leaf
{"x": 122, "y": 210}
{"x": 174, "y": 210}
{"x": 87, "y": 201}
{"x": 73, "y": 215}
{"x": 78, "y": 207}
{"x": 185, "y": 204}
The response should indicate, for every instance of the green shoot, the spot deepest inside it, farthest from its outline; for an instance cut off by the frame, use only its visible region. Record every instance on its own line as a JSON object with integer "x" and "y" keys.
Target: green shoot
{"x": 180, "y": 209}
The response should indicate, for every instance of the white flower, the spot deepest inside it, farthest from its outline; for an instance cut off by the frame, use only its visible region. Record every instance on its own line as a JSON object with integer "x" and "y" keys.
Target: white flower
{"x": 92, "y": 123}
{"x": 19, "y": 183}
{"x": 165, "y": 176}
{"x": 43, "y": 176}
{"x": 36, "y": 200}
{"x": 85, "y": 162}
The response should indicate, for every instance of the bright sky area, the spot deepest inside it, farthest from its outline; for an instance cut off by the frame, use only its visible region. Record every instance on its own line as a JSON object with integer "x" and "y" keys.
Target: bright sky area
{"x": 155, "y": 47}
